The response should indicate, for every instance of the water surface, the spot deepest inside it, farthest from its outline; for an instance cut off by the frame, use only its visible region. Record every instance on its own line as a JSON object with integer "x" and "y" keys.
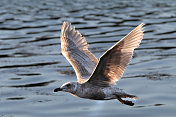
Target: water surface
{"x": 31, "y": 64}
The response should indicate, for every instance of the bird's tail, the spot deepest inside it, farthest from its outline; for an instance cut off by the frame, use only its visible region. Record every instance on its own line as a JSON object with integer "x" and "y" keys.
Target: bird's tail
{"x": 129, "y": 96}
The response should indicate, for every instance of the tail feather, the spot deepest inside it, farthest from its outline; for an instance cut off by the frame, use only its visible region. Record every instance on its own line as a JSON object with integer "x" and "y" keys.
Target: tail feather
{"x": 129, "y": 96}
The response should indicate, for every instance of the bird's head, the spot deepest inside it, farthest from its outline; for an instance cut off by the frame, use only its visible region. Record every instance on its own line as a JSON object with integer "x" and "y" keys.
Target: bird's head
{"x": 68, "y": 87}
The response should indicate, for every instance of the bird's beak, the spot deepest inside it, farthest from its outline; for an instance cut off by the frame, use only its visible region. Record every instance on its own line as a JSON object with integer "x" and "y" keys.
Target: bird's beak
{"x": 57, "y": 89}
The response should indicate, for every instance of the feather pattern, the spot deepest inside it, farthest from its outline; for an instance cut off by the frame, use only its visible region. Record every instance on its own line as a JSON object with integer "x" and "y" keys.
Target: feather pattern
{"x": 75, "y": 48}
{"x": 114, "y": 61}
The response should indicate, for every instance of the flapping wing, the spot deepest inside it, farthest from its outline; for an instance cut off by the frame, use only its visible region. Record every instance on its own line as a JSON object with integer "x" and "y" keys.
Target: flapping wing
{"x": 113, "y": 62}
{"x": 75, "y": 49}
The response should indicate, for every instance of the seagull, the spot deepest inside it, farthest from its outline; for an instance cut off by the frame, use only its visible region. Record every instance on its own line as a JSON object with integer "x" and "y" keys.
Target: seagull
{"x": 96, "y": 79}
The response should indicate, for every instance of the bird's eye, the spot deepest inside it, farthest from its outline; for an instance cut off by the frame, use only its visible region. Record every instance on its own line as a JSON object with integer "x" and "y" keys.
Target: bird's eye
{"x": 68, "y": 85}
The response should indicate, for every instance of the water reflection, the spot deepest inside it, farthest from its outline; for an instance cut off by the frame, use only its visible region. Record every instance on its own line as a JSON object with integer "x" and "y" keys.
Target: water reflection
{"x": 149, "y": 105}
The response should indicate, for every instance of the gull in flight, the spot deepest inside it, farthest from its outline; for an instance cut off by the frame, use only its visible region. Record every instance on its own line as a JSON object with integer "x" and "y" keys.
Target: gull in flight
{"x": 96, "y": 79}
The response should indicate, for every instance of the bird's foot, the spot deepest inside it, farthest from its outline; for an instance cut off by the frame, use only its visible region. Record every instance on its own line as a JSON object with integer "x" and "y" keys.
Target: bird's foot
{"x": 127, "y": 102}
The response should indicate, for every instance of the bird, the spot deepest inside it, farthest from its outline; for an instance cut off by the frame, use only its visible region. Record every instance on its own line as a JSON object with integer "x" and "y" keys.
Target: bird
{"x": 97, "y": 79}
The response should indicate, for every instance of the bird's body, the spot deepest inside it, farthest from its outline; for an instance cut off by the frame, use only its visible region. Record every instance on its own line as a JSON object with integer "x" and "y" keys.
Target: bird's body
{"x": 97, "y": 78}
{"x": 94, "y": 92}
{"x": 100, "y": 93}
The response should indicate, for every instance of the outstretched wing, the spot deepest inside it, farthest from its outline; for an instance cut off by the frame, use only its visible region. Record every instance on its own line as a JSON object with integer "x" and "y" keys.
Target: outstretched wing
{"x": 113, "y": 62}
{"x": 75, "y": 49}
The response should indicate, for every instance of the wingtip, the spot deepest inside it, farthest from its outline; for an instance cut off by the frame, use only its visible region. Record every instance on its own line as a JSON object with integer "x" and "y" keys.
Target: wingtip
{"x": 141, "y": 26}
{"x": 65, "y": 23}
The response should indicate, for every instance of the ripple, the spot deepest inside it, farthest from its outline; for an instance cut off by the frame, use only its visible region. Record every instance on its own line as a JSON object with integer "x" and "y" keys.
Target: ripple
{"x": 15, "y": 78}
{"x": 31, "y": 61}
{"x": 28, "y": 65}
{"x": 40, "y": 84}
{"x": 16, "y": 98}
{"x": 29, "y": 74}
{"x": 43, "y": 38}
{"x": 164, "y": 33}
{"x": 21, "y": 28}
{"x": 153, "y": 76}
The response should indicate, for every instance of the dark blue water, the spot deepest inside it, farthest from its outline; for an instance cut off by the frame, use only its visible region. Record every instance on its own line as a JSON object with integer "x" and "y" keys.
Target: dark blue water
{"x": 31, "y": 64}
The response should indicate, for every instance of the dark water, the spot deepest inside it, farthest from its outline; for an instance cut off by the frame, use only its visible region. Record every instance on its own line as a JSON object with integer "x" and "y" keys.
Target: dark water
{"x": 31, "y": 64}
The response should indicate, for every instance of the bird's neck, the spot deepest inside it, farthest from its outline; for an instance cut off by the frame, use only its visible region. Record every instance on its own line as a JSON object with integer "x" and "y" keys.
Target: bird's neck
{"x": 75, "y": 89}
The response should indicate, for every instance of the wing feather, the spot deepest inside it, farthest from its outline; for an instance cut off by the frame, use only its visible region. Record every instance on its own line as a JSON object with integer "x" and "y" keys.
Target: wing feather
{"x": 75, "y": 48}
{"x": 114, "y": 61}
